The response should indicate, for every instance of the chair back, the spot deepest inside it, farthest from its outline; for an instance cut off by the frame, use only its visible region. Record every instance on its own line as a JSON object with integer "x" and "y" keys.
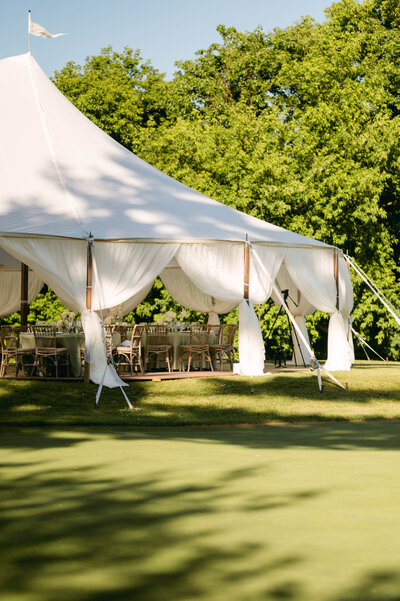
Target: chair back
{"x": 214, "y": 333}
{"x": 199, "y": 334}
{"x": 136, "y": 336}
{"x": 8, "y": 337}
{"x": 45, "y": 336}
{"x": 156, "y": 335}
{"x": 228, "y": 333}
{"x": 122, "y": 331}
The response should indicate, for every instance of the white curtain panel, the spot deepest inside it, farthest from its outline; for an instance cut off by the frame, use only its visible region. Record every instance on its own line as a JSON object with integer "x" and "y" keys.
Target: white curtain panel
{"x": 251, "y": 344}
{"x": 125, "y": 269}
{"x": 297, "y": 302}
{"x": 312, "y": 271}
{"x": 346, "y": 293}
{"x": 10, "y": 290}
{"x": 218, "y": 270}
{"x": 96, "y": 353}
{"x": 299, "y": 306}
{"x": 128, "y": 306}
{"x": 260, "y": 286}
{"x": 62, "y": 263}
{"x": 186, "y": 293}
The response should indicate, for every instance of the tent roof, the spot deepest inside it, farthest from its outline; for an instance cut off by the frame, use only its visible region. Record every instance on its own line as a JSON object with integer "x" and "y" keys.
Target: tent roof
{"x": 63, "y": 176}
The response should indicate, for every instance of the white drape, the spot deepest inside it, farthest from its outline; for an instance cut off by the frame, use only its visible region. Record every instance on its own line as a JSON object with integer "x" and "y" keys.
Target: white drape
{"x": 346, "y": 294}
{"x": 186, "y": 293}
{"x": 10, "y": 290}
{"x": 121, "y": 271}
{"x": 299, "y": 307}
{"x": 128, "y": 306}
{"x": 126, "y": 269}
{"x": 312, "y": 271}
{"x": 218, "y": 270}
{"x": 61, "y": 263}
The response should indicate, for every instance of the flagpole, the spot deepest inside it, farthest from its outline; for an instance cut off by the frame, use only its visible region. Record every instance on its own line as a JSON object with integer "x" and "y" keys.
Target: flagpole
{"x": 29, "y": 29}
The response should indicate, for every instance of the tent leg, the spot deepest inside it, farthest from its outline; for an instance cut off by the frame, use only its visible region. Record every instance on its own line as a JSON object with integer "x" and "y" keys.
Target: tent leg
{"x": 100, "y": 388}
{"x": 24, "y": 296}
{"x": 89, "y": 282}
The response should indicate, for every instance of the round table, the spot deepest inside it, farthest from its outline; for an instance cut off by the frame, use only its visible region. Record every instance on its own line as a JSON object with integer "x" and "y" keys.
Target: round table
{"x": 73, "y": 342}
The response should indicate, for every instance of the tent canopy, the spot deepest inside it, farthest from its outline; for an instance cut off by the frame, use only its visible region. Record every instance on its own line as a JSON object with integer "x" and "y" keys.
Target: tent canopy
{"x": 63, "y": 176}
{"x": 64, "y": 181}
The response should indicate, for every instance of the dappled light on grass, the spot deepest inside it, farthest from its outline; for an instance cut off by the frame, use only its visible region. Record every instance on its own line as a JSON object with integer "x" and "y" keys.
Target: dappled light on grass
{"x": 374, "y": 393}
{"x": 208, "y": 514}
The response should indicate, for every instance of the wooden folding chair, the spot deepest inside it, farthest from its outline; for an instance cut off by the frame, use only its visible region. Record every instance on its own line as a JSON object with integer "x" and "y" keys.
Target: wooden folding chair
{"x": 157, "y": 344}
{"x": 198, "y": 346}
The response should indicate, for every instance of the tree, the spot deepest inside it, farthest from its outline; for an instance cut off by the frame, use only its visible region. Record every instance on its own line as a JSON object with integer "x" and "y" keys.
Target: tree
{"x": 299, "y": 127}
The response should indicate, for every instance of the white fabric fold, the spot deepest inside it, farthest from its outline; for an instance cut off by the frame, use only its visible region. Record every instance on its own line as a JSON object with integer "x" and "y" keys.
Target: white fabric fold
{"x": 127, "y": 306}
{"x": 61, "y": 263}
{"x": 213, "y": 319}
{"x": 312, "y": 271}
{"x": 186, "y": 293}
{"x": 299, "y": 307}
{"x": 96, "y": 354}
{"x": 10, "y": 290}
{"x": 251, "y": 344}
{"x": 218, "y": 270}
{"x": 340, "y": 353}
{"x": 126, "y": 269}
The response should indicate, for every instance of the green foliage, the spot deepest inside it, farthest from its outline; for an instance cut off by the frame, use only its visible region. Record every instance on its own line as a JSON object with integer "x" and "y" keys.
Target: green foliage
{"x": 299, "y": 127}
{"x": 45, "y": 307}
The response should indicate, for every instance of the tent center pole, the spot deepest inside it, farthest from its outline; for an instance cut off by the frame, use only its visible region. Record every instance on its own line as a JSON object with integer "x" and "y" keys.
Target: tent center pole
{"x": 246, "y": 269}
{"x": 24, "y": 296}
{"x": 89, "y": 282}
{"x": 336, "y": 275}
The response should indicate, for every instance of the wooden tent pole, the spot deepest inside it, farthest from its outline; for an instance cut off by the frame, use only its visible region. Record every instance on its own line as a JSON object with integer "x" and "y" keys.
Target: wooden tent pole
{"x": 336, "y": 275}
{"x": 89, "y": 282}
{"x": 246, "y": 269}
{"x": 24, "y": 296}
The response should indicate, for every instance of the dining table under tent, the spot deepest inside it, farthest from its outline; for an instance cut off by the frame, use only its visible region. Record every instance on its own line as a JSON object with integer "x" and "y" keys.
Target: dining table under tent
{"x": 98, "y": 225}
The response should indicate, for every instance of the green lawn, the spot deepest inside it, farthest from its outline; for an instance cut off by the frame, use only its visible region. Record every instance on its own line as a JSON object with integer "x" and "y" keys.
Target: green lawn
{"x": 119, "y": 505}
{"x": 374, "y": 393}
{"x": 306, "y": 512}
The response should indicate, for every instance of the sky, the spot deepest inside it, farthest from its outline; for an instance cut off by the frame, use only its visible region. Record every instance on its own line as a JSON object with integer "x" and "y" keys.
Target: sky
{"x": 164, "y": 30}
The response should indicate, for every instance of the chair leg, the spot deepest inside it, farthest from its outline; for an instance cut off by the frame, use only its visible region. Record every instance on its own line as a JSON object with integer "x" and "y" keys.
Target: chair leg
{"x": 168, "y": 363}
{"x": 141, "y": 364}
{"x": 209, "y": 360}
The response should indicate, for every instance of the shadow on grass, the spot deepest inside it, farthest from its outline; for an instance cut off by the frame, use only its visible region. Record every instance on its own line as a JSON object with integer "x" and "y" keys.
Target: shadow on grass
{"x": 85, "y": 535}
{"x": 208, "y": 401}
{"x": 69, "y": 534}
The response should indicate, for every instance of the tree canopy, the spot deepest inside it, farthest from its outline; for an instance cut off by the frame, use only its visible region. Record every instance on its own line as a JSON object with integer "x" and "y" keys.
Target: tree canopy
{"x": 299, "y": 126}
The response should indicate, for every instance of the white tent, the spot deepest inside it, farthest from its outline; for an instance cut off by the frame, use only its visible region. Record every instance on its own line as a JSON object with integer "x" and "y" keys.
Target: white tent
{"x": 66, "y": 186}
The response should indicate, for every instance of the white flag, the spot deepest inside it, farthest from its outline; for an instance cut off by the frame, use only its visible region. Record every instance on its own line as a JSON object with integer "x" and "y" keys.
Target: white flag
{"x": 41, "y": 32}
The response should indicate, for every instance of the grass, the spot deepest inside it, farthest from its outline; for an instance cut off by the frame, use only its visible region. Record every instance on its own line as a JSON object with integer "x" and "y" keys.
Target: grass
{"x": 305, "y": 512}
{"x": 115, "y": 505}
{"x": 374, "y": 393}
